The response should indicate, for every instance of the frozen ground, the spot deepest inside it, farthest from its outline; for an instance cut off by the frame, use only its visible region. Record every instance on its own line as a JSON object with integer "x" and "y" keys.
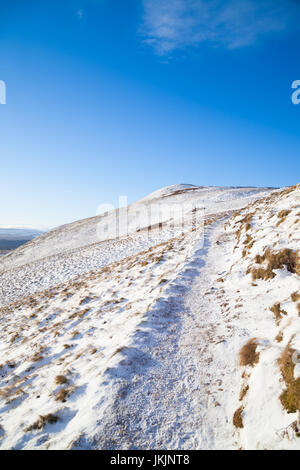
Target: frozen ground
{"x": 135, "y": 343}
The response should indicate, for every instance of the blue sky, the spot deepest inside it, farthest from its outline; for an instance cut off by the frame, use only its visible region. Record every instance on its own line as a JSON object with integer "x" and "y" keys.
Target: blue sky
{"x": 114, "y": 97}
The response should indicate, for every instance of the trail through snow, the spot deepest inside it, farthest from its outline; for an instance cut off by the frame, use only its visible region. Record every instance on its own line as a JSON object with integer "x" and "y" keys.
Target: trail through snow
{"x": 176, "y": 386}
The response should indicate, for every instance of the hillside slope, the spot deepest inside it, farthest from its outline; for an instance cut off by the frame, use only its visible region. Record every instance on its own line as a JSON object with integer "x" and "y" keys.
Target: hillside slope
{"x": 173, "y": 339}
{"x": 78, "y": 248}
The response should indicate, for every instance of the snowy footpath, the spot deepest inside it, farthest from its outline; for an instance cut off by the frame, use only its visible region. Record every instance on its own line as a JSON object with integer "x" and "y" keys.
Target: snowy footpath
{"x": 175, "y": 387}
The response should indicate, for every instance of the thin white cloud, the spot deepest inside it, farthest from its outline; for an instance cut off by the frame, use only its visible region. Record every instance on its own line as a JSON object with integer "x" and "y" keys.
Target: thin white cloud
{"x": 80, "y": 14}
{"x": 176, "y": 24}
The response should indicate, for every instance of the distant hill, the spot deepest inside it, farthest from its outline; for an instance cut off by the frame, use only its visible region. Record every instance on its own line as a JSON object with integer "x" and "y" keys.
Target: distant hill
{"x": 13, "y": 237}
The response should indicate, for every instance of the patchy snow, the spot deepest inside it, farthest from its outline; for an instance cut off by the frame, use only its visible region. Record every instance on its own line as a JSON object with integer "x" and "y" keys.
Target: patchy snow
{"x": 133, "y": 343}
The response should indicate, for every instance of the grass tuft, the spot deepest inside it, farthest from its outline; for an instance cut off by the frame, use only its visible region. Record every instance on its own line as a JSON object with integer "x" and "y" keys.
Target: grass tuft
{"x": 61, "y": 379}
{"x": 42, "y": 421}
{"x": 290, "y": 397}
{"x": 278, "y": 312}
{"x": 248, "y": 354}
{"x": 284, "y": 258}
{"x": 238, "y": 418}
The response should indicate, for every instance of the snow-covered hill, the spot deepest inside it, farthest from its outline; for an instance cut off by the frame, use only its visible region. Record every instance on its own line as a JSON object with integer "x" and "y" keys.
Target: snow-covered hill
{"x": 77, "y": 248}
{"x": 169, "y": 335}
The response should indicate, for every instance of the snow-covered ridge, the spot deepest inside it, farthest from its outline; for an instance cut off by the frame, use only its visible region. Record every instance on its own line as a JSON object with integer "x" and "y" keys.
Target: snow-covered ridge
{"x": 93, "y": 230}
{"x": 170, "y": 190}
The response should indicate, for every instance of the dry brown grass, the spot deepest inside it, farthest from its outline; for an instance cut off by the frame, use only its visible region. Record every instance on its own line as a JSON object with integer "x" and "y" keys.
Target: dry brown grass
{"x": 248, "y": 355}
{"x": 37, "y": 357}
{"x": 63, "y": 394}
{"x": 238, "y": 418}
{"x": 290, "y": 397}
{"x": 14, "y": 337}
{"x": 282, "y": 216}
{"x": 279, "y": 337}
{"x": 85, "y": 300}
{"x": 42, "y": 421}
{"x": 245, "y": 224}
{"x": 284, "y": 258}
{"x": 244, "y": 392}
{"x": 81, "y": 314}
{"x": 61, "y": 379}
{"x": 295, "y": 296}
{"x": 248, "y": 240}
{"x": 278, "y": 312}
{"x": 118, "y": 350}
{"x": 295, "y": 428}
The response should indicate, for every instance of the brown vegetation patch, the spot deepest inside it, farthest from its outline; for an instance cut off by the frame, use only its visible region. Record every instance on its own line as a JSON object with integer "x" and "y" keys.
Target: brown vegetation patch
{"x": 61, "y": 379}
{"x": 284, "y": 258}
{"x": 295, "y": 296}
{"x": 248, "y": 354}
{"x": 245, "y": 224}
{"x": 238, "y": 418}
{"x": 282, "y": 216}
{"x": 290, "y": 397}
{"x": 278, "y": 312}
{"x": 63, "y": 394}
{"x": 37, "y": 357}
{"x": 279, "y": 337}
{"x": 244, "y": 392}
{"x": 14, "y": 337}
{"x": 42, "y": 421}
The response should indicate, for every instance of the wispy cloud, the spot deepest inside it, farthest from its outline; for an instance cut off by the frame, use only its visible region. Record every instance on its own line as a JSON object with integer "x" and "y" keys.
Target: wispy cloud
{"x": 80, "y": 14}
{"x": 176, "y": 24}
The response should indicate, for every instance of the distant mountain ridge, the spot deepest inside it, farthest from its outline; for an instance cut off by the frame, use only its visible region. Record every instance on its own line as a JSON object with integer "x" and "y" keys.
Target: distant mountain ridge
{"x": 13, "y": 237}
{"x": 19, "y": 233}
